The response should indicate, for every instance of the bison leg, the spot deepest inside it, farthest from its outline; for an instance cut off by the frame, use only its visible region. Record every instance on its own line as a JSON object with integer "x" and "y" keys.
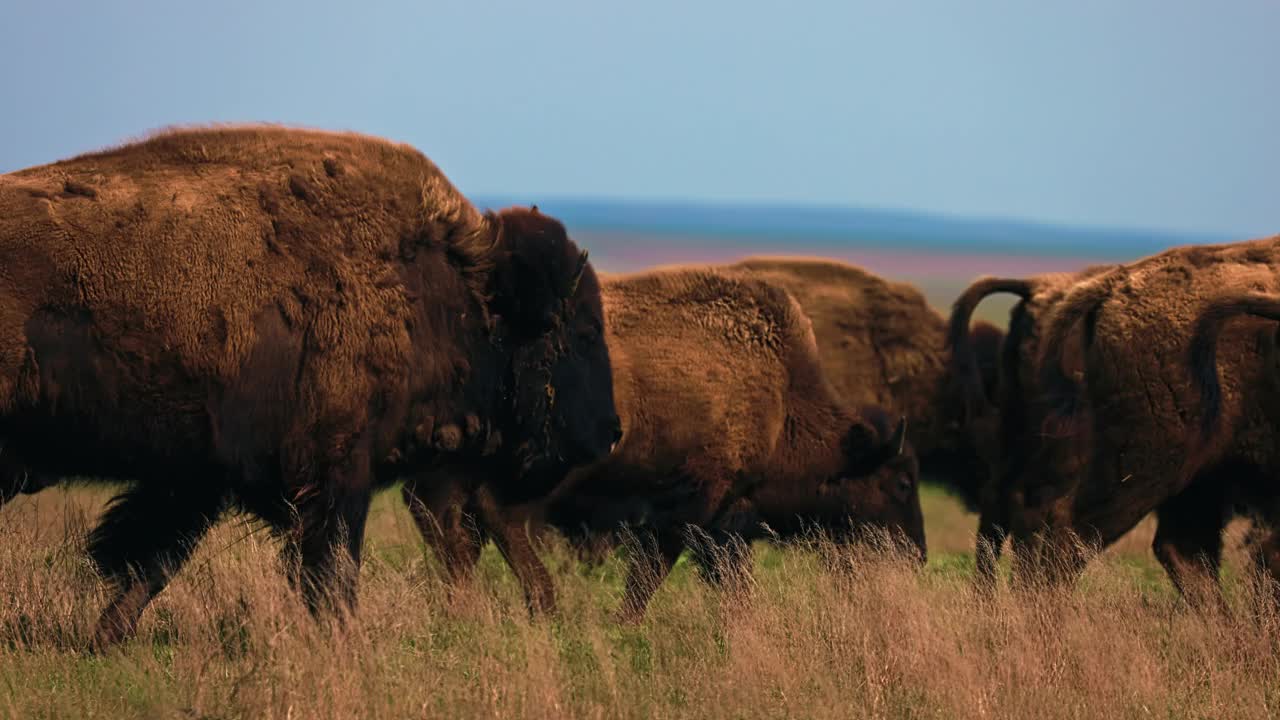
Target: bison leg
{"x": 725, "y": 562}
{"x": 647, "y": 569}
{"x": 512, "y": 539}
{"x": 1047, "y": 550}
{"x": 1265, "y": 554}
{"x": 1188, "y": 540}
{"x": 592, "y": 548}
{"x": 329, "y": 535}
{"x": 439, "y": 510}
{"x": 990, "y": 545}
{"x": 146, "y": 535}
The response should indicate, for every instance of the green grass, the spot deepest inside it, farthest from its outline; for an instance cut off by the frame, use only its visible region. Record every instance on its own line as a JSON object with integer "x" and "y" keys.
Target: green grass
{"x": 861, "y": 635}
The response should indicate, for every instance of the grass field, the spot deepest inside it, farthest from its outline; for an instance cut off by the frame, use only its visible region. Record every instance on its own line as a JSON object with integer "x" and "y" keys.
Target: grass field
{"x": 863, "y": 637}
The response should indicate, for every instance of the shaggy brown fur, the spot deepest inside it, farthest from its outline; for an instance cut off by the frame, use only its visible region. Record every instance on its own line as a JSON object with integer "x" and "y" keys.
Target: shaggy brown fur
{"x": 280, "y": 319}
{"x": 1004, "y": 421}
{"x": 1137, "y": 415}
{"x": 729, "y": 423}
{"x": 1203, "y": 356}
{"x": 1259, "y": 499}
{"x": 881, "y": 343}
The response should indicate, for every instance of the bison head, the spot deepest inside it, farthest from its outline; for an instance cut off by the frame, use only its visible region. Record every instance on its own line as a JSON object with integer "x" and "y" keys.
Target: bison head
{"x": 878, "y": 486}
{"x": 546, "y": 300}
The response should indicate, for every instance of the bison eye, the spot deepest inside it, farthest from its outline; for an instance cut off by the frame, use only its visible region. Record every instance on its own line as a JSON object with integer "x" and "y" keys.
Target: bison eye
{"x": 905, "y": 483}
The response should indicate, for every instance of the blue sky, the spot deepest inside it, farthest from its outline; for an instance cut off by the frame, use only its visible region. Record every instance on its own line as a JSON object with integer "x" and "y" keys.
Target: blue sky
{"x": 1133, "y": 113}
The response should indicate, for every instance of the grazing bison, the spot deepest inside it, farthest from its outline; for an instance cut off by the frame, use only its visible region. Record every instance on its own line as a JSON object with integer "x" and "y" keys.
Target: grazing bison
{"x": 731, "y": 424}
{"x": 730, "y": 427}
{"x": 1004, "y": 414}
{"x": 1136, "y": 416}
{"x": 281, "y": 320}
{"x": 881, "y": 343}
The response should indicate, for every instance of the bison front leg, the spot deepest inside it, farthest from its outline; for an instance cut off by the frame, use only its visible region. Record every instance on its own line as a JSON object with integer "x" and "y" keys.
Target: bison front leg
{"x": 147, "y": 534}
{"x": 1188, "y": 540}
{"x": 439, "y": 509}
{"x": 725, "y": 561}
{"x": 327, "y": 539}
{"x": 989, "y": 544}
{"x": 648, "y": 568}
{"x": 592, "y": 548}
{"x": 512, "y": 538}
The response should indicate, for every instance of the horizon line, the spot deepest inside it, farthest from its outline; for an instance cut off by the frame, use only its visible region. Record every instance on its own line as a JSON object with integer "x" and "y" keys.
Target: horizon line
{"x": 947, "y": 217}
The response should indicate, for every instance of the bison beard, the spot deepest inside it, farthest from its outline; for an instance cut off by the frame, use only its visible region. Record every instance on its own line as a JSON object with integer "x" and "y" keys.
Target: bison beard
{"x": 533, "y": 402}
{"x": 342, "y": 316}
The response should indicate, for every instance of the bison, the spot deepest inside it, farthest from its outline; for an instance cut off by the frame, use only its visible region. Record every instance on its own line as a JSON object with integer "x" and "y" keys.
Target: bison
{"x": 280, "y": 321}
{"x": 881, "y": 343}
{"x": 730, "y": 426}
{"x": 1134, "y": 411}
{"x": 1004, "y": 413}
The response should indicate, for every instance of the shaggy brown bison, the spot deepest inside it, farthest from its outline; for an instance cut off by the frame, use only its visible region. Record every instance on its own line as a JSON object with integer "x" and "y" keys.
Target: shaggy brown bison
{"x": 730, "y": 427}
{"x": 1135, "y": 413}
{"x": 731, "y": 424}
{"x": 881, "y": 343}
{"x": 1003, "y": 414}
{"x": 281, "y": 320}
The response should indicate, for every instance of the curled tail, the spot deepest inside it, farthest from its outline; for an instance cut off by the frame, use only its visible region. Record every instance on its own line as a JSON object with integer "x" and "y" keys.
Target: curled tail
{"x": 1060, "y": 392}
{"x": 964, "y": 361}
{"x": 1203, "y": 355}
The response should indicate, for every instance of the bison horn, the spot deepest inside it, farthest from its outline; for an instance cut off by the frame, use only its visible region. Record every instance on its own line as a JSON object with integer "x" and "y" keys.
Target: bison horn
{"x": 577, "y": 273}
{"x": 900, "y": 434}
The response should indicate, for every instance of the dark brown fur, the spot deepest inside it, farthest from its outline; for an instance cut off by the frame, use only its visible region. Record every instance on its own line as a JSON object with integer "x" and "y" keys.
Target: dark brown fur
{"x": 1135, "y": 410}
{"x": 1004, "y": 417}
{"x": 281, "y": 320}
{"x": 881, "y": 343}
{"x": 729, "y": 423}
{"x": 1203, "y": 356}
{"x": 1258, "y": 499}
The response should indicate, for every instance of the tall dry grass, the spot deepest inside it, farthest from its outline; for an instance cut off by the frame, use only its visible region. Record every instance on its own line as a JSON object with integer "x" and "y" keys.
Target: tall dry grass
{"x": 819, "y": 633}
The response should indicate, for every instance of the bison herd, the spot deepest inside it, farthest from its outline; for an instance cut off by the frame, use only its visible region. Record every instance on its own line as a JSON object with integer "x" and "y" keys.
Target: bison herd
{"x": 282, "y": 322}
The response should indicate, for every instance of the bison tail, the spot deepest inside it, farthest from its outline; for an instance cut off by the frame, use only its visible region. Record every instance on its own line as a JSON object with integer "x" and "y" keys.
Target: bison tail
{"x": 964, "y": 362}
{"x": 1203, "y": 353}
{"x": 1062, "y": 393}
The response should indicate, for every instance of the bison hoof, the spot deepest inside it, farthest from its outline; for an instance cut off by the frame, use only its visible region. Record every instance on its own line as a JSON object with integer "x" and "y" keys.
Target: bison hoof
{"x": 106, "y": 636}
{"x": 627, "y": 617}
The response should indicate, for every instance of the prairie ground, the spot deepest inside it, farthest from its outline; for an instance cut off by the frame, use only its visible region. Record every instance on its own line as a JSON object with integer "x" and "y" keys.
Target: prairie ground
{"x": 861, "y": 636}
